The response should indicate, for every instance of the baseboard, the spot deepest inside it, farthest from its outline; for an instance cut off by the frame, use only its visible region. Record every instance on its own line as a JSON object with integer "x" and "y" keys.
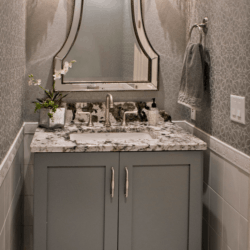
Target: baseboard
{"x": 226, "y": 151}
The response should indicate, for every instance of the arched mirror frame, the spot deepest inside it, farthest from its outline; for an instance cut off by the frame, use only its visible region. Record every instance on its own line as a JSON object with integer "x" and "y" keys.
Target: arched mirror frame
{"x": 153, "y": 66}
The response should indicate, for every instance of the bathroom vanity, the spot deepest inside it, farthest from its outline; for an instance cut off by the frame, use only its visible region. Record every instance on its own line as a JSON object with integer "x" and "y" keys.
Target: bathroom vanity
{"x": 117, "y": 192}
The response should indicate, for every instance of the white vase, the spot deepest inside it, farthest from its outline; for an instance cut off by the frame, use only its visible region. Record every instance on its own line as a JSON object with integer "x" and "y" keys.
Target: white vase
{"x": 58, "y": 120}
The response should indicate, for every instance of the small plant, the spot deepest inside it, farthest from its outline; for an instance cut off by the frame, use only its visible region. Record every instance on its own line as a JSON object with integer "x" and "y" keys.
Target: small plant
{"x": 53, "y": 98}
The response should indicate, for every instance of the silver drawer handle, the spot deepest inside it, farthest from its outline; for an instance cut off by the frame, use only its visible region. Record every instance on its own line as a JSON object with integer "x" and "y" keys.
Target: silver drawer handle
{"x": 126, "y": 183}
{"x": 112, "y": 185}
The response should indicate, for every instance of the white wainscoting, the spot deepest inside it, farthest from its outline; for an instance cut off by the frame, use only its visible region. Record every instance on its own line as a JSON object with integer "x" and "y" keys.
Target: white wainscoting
{"x": 11, "y": 181}
{"x": 28, "y": 192}
{"x": 225, "y": 193}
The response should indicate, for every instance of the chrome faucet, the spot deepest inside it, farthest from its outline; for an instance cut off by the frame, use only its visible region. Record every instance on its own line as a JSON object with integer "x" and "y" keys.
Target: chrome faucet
{"x": 109, "y": 104}
{"x": 90, "y": 123}
{"x": 124, "y": 123}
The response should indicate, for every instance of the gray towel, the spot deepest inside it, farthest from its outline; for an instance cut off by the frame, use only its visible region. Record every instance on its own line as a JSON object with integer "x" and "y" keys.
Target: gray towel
{"x": 192, "y": 80}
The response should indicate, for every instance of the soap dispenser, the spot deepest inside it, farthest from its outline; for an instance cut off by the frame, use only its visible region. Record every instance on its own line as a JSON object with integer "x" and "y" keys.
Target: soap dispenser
{"x": 153, "y": 114}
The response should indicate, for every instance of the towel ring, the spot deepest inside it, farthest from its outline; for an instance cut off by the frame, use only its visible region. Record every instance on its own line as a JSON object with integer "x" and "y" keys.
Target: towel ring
{"x": 200, "y": 30}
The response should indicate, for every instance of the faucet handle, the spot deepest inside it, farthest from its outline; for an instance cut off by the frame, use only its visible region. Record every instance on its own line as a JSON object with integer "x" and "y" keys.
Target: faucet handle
{"x": 90, "y": 123}
{"x": 124, "y": 123}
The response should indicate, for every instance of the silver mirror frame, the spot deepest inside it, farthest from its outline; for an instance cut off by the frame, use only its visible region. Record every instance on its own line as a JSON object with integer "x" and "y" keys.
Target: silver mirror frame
{"x": 153, "y": 66}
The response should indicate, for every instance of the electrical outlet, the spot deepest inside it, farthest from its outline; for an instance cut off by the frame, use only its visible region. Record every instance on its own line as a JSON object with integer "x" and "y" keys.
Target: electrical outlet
{"x": 193, "y": 114}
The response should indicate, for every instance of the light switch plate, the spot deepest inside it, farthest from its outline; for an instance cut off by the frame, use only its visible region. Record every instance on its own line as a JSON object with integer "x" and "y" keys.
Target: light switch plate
{"x": 193, "y": 114}
{"x": 237, "y": 109}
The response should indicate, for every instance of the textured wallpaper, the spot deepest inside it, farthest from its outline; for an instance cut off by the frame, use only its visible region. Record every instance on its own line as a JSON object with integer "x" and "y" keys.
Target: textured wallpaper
{"x": 165, "y": 22}
{"x": 12, "y": 70}
{"x": 228, "y": 41}
{"x": 47, "y": 26}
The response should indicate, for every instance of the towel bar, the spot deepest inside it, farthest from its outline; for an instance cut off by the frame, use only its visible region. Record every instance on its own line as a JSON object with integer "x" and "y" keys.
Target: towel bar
{"x": 202, "y": 29}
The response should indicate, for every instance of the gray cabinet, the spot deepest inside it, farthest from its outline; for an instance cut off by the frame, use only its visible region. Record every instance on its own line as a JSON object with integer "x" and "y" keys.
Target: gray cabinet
{"x": 156, "y": 202}
{"x": 73, "y": 208}
{"x": 162, "y": 210}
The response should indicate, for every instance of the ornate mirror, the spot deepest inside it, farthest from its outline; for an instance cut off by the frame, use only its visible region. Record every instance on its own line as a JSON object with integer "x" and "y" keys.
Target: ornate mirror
{"x": 112, "y": 52}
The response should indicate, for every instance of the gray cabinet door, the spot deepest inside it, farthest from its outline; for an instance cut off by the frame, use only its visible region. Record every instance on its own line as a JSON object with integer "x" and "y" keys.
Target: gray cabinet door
{"x": 73, "y": 204}
{"x": 163, "y": 207}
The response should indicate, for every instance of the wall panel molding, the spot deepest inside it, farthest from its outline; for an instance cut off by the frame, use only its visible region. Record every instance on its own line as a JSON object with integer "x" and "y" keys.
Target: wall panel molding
{"x": 9, "y": 157}
{"x": 226, "y": 151}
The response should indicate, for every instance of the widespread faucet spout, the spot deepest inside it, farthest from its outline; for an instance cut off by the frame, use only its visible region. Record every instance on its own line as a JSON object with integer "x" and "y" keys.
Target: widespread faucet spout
{"x": 109, "y": 104}
{"x": 111, "y": 101}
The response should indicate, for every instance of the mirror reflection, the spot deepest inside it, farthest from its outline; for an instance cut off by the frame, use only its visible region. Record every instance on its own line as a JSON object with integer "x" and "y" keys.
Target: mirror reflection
{"x": 108, "y": 41}
{"x": 106, "y": 45}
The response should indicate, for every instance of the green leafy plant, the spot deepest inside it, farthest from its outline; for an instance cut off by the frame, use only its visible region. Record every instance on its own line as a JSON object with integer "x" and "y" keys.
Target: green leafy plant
{"x": 53, "y": 99}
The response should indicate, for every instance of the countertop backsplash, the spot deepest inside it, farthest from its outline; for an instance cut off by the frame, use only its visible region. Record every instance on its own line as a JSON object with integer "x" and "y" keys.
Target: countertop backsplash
{"x": 116, "y": 113}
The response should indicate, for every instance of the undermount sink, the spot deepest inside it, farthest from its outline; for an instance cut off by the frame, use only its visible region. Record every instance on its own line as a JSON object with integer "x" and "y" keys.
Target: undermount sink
{"x": 109, "y": 136}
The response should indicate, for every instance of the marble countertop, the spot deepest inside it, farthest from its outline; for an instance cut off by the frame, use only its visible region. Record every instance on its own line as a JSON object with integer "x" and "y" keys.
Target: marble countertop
{"x": 165, "y": 137}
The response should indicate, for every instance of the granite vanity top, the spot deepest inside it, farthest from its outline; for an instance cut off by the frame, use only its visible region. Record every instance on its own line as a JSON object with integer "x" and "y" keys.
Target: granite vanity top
{"x": 166, "y": 136}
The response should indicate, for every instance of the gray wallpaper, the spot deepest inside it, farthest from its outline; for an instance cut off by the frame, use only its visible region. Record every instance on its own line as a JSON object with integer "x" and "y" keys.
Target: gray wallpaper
{"x": 47, "y": 26}
{"x": 165, "y": 22}
{"x": 228, "y": 41}
{"x": 12, "y": 70}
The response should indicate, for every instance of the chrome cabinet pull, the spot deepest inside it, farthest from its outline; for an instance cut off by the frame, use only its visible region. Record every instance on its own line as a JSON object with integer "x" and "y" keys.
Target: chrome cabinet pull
{"x": 126, "y": 183}
{"x": 112, "y": 184}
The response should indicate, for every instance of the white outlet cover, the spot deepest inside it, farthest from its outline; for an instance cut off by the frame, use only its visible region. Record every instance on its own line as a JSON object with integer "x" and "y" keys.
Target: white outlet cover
{"x": 193, "y": 114}
{"x": 237, "y": 109}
